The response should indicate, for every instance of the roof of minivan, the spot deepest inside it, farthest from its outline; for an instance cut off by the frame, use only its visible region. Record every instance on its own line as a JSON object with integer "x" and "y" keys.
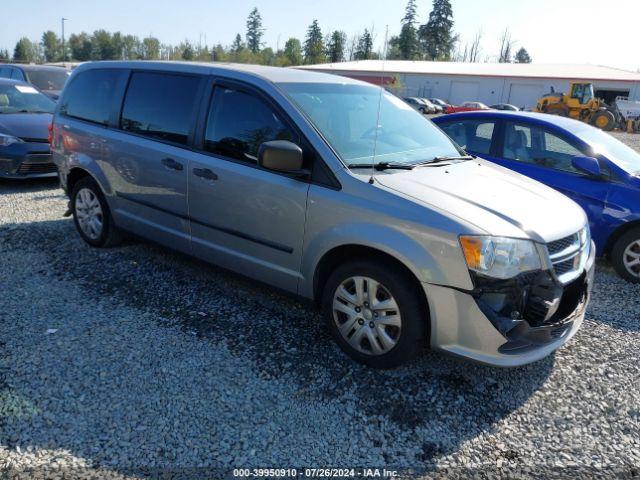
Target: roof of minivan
{"x": 272, "y": 74}
{"x": 29, "y": 66}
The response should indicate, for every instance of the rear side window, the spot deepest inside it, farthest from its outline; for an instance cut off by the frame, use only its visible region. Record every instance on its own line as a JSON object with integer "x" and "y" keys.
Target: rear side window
{"x": 472, "y": 135}
{"x": 5, "y": 72}
{"x": 239, "y": 122}
{"x": 90, "y": 95}
{"x": 160, "y": 106}
{"x": 17, "y": 74}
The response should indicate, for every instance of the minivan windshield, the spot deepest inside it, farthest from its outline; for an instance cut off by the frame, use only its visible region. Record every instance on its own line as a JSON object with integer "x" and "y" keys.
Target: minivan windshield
{"x": 616, "y": 151}
{"x": 21, "y": 98}
{"x": 346, "y": 115}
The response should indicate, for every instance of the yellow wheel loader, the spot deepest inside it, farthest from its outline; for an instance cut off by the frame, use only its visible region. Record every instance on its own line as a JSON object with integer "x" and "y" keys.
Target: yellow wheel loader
{"x": 580, "y": 104}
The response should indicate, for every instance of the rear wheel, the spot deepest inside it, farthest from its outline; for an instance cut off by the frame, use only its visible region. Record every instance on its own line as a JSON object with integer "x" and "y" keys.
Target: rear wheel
{"x": 604, "y": 120}
{"x": 91, "y": 215}
{"x": 375, "y": 313}
{"x": 625, "y": 256}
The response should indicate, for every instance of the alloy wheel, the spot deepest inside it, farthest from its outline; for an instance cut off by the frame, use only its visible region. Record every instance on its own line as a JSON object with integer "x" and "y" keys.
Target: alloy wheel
{"x": 367, "y": 316}
{"x": 631, "y": 258}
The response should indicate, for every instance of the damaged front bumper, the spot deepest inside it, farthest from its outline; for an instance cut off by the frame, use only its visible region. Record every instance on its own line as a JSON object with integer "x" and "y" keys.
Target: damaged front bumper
{"x": 509, "y": 323}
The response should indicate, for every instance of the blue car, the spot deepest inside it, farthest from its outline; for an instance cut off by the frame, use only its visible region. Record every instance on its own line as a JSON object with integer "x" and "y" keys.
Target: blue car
{"x": 25, "y": 116}
{"x": 590, "y": 166}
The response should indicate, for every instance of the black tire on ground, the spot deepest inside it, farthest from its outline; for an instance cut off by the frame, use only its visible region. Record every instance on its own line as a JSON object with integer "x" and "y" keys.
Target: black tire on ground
{"x": 600, "y": 117}
{"x": 618, "y": 255}
{"x": 110, "y": 234}
{"x": 423, "y": 110}
{"x": 404, "y": 289}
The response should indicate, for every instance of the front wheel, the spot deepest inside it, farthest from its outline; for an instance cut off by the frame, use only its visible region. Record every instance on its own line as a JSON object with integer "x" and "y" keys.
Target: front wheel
{"x": 625, "y": 256}
{"x": 375, "y": 313}
{"x": 604, "y": 120}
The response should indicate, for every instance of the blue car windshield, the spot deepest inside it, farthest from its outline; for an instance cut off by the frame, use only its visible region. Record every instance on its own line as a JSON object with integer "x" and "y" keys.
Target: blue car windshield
{"x": 616, "y": 151}
{"x": 21, "y": 98}
{"x": 346, "y": 115}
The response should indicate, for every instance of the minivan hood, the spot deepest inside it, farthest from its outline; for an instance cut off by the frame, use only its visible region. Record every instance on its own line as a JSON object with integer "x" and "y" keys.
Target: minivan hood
{"x": 26, "y": 125}
{"x": 494, "y": 199}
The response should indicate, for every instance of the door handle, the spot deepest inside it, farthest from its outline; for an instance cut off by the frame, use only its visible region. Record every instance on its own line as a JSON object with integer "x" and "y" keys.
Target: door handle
{"x": 172, "y": 164}
{"x": 205, "y": 173}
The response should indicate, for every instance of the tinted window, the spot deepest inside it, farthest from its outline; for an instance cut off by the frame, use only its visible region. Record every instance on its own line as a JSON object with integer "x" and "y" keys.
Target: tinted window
{"x": 532, "y": 144}
{"x": 473, "y": 135}
{"x": 90, "y": 95}
{"x": 5, "y": 72}
{"x": 17, "y": 74}
{"x": 239, "y": 123}
{"x": 23, "y": 98}
{"x": 160, "y": 106}
{"x": 48, "y": 79}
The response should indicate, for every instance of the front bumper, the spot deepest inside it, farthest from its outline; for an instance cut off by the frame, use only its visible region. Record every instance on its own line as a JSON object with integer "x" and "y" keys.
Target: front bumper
{"x": 462, "y": 325}
{"x": 27, "y": 160}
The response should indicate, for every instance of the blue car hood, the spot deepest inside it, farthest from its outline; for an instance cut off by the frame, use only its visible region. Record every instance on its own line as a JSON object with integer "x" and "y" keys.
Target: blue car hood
{"x": 26, "y": 125}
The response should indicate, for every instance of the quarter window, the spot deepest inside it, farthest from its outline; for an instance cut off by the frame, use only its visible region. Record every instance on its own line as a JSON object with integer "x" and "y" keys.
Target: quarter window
{"x": 239, "y": 122}
{"x": 531, "y": 144}
{"x": 160, "y": 106}
{"x": 90, "y": 95}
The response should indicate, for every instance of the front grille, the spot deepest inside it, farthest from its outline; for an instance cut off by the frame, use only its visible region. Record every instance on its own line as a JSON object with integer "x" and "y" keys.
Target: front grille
{"x": 36, "y": 168}
{"x": 560, "y": 245}
{"x": 565, "y": 255}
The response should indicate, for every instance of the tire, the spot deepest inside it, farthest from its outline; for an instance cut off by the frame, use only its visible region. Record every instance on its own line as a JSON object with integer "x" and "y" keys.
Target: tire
{"x": 84, "y": 196}
{"x": 396, "y": 338}
{"x": 604, "y": 120}
{"x": 623, "y": 255}
{"x": 423, "y": 111}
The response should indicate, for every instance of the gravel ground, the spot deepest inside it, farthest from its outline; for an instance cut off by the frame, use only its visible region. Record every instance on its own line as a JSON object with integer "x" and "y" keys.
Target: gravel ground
{"x": 121, "y": 362}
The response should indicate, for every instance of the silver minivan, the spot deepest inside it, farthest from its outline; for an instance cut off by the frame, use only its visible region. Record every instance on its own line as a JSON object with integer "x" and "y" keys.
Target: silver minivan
{"x": 334, "y": 190}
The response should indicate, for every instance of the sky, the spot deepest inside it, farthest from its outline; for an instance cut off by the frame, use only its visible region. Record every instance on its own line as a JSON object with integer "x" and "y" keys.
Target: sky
{"x": 553, "y": 31}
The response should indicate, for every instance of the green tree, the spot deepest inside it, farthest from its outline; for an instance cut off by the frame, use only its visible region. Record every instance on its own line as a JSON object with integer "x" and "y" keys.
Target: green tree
{"x": 314, "y": 51}
{"x": 254, "y": 31}
{"x": 522, "y": 56}
{"x": 436, "y": 36}
{"x": 103, "y": 47}
{"x": 336, "y": 46}
{"x": 293, "y": 51}
{"x": 407, "y": 42}
{"x": 23, "y": 52}
{"x": 237, "y": 48}
{"x": 150, "y": 48}
{"x": 52, "y": 46}
{"x": 4, "y": 55}
{"x": 81, "y": 46}
{"x": 188, "y": 53}
{"x": 219, "y": 54}
{"x": 131, "y": 47}
{"x": 364, "y": 50}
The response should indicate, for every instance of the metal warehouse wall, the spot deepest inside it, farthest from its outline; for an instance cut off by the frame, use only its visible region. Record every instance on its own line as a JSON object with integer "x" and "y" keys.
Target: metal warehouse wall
{"x": 522, "y": 92}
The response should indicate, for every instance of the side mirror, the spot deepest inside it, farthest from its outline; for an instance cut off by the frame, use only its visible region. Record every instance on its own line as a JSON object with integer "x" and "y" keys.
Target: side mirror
{"x": 281, "y": 156}
{"x": 588, "y": 165}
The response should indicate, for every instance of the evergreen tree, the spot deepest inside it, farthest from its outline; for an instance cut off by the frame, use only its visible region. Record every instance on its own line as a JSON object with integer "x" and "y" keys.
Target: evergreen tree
{"x": 254, "y": 31}
{"x": 436, "y": 36}
{"x": 52, "y": 46}
{"x": 4, "y": 55}
{"x": 187, "y": 51}
{"x": 23, "y": 52}
{"x": 81, "y": 47}
{"x": 364, "y": 49}
{"x": 407, "y": 42}
{"x": 237, "y": 46}
{"x": 293, "y": 51}
{"x": 314, "y": 51}
{"x": 522, "y": 56}
{"x": 336, "y": 46}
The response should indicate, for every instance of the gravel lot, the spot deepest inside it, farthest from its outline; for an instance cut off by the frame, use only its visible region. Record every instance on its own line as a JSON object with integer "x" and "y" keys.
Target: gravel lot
{"x": 129, "y": 360}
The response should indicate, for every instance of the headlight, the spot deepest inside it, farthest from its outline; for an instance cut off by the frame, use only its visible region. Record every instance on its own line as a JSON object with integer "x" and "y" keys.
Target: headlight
{"x": 500, "y": 257}
{"x": 6, "y": 140}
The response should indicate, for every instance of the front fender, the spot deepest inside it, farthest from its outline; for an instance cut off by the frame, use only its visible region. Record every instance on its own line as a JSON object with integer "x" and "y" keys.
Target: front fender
{"x": 440, "y": 262}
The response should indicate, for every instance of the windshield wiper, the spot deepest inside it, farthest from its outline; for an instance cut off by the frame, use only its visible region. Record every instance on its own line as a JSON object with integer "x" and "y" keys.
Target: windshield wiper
{"x": 447, "y": 159}
{"x": 383, "y": 166}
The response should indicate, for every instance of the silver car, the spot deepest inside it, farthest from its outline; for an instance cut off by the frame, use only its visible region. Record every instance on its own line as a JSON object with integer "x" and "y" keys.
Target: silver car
{"x": 331, "y": 189}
